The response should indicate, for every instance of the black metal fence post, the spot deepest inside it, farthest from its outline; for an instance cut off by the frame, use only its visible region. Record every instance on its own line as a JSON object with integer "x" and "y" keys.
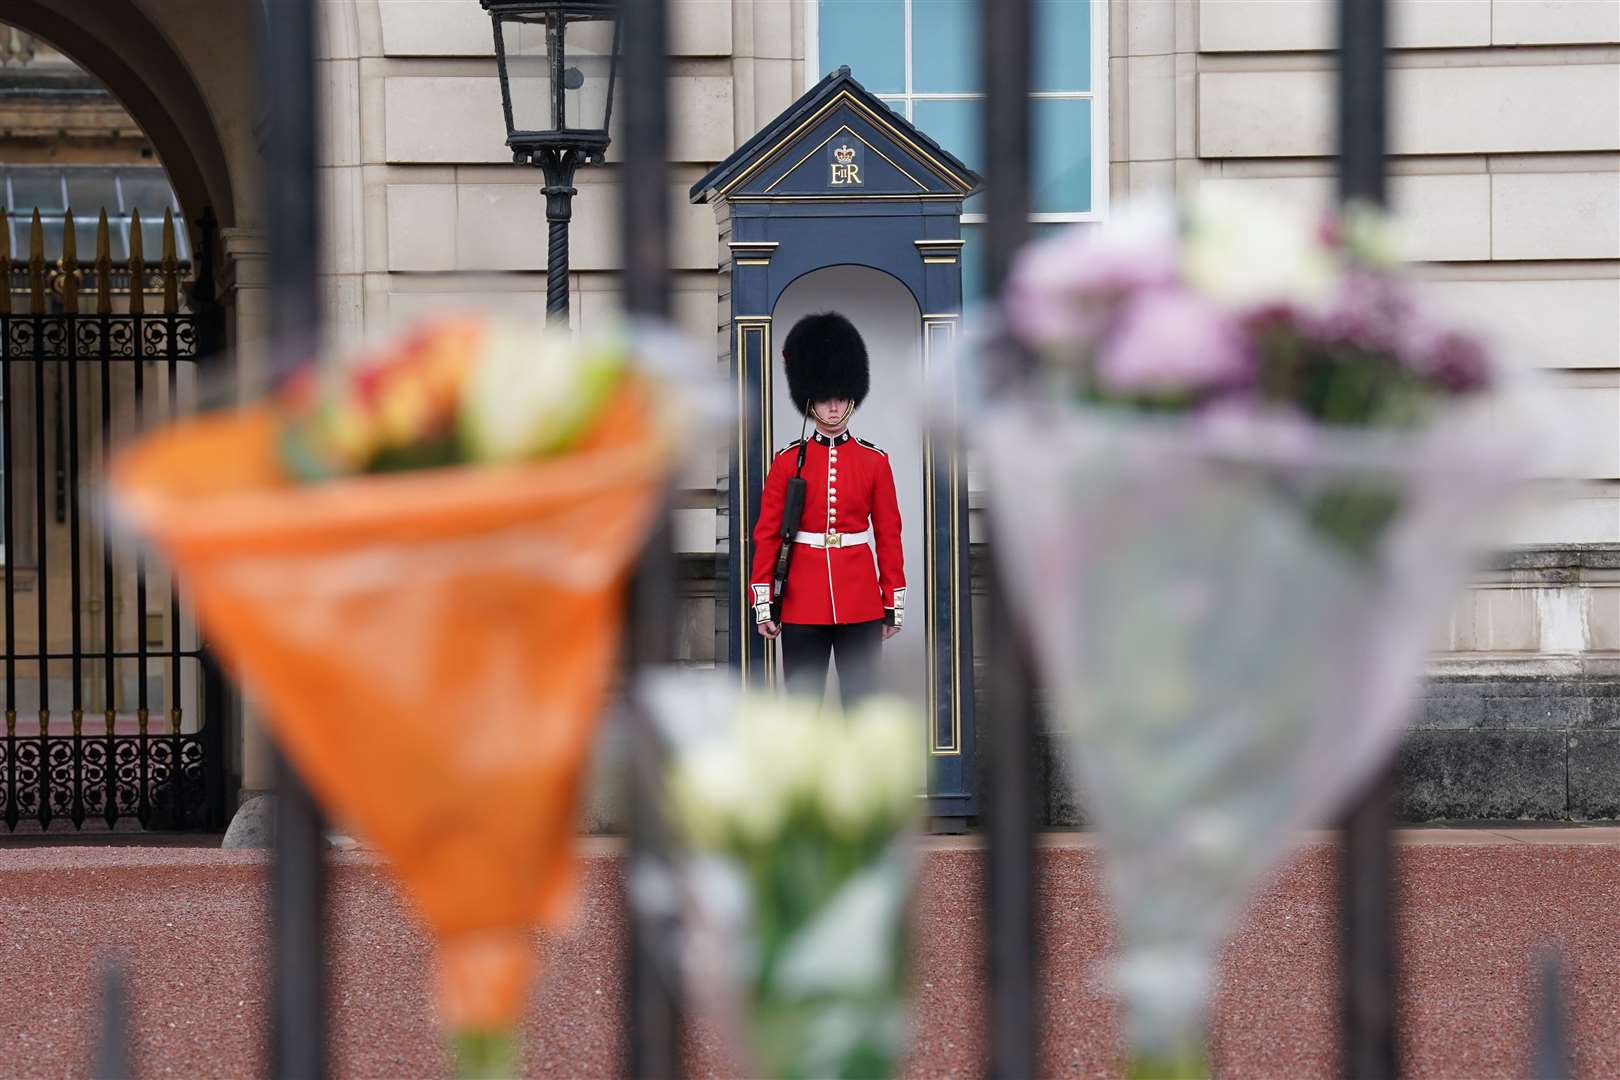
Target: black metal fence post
{"x": 1013, "y": 775}
{"x": 298, "y": 875}
{"x": 111, "y": 1054}
{"x": 1368, "y": 858}
{"x": 652, "y": 1006}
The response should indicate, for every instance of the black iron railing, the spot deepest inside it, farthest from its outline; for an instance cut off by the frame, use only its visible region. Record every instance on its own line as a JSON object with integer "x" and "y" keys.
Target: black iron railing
{"x": 653, "y": 1016}
{"x": 114, "y": 716}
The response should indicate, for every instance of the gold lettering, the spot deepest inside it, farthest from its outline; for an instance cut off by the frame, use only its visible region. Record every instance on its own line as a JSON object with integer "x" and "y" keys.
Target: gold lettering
{"x": 840, "y": 174}
{"x": 854, "y": 174}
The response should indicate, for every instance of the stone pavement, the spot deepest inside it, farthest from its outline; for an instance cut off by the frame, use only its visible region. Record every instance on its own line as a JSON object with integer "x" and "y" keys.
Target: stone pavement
{"x": 1476, "y": 904}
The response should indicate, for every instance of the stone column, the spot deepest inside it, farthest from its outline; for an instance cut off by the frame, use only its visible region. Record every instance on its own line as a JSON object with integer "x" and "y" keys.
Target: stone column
{"x": 245, "y": 295}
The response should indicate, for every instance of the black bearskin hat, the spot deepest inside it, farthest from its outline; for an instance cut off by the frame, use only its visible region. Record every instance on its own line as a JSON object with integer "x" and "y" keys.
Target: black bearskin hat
{"x": 825, "y": 358}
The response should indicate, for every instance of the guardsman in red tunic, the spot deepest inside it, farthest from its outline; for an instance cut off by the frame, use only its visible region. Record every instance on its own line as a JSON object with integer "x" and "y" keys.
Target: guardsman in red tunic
{"x": 845, "y": 590}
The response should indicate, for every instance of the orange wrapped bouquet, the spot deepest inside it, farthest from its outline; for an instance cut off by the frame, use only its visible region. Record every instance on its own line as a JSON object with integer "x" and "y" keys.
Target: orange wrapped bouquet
{"x": 417, "y": 564}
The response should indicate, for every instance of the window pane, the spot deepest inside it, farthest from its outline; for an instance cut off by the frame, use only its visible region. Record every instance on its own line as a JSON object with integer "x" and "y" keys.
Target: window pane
{"x": 39, "y": 189}
{"x": 955, "y": 126}
{"x": 84, "y": 235}
{"x": 869, "y": 36}
{"x": 152, "y": 239}
{"x": 53, "y": 238}
{"x": 119, "y": 249}
{"x": 90, "y": 190}
{"x": 1063, "y": 45}
{"x": 147, "y": 190}
{"x": 1062, "y": 180}
{"x": 944, "y": 46}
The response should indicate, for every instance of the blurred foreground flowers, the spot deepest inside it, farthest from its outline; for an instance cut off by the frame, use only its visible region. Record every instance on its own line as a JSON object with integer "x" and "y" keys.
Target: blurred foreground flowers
{"x": 1246, "y": 469}
{"x": 434, "y": 646}
{"x": 795, "y": 827}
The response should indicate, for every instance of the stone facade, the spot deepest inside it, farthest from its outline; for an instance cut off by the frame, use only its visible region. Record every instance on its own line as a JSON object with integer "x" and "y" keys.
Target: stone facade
{"x": 1506, "y": 142}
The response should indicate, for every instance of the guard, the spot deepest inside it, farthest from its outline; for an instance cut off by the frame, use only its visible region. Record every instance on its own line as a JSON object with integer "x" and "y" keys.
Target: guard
{"x": 837, "y": 588}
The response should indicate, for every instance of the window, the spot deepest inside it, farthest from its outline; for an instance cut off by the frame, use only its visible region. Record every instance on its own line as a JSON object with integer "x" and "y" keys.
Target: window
{"x": 922, "y": 58}
{"x": 89, "y": 189}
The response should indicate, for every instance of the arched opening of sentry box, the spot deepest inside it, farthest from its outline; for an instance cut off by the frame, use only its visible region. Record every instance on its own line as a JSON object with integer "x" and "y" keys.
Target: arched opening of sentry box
{"x": 886, "y": 314}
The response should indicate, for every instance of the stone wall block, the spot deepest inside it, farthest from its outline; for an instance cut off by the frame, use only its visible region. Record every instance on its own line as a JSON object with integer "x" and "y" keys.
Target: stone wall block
{"x": 1594, "y": 775}
{"x": 1500, "y": 775}
{"x": 1566, "y": 215}
{"x": 1151, "y": 27}
{"x": 1151, "y": 83}
{"x": 1298, "y": 25}
{"x": 1456, "y": 706}
{"x": 1603, "y": 705}
{"x": 1437, "y": 110}
{"x": 1555, "y": 22}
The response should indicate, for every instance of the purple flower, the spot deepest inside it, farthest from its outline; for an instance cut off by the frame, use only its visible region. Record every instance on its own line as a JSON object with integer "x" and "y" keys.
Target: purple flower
{"x": 1369, "y": 312}
{"x": 1173, "y": 341}
{"x": 1456, "y": 362}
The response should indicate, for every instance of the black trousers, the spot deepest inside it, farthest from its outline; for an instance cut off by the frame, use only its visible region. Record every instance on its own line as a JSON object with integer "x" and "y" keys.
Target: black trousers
{"x": 855, "y": 647}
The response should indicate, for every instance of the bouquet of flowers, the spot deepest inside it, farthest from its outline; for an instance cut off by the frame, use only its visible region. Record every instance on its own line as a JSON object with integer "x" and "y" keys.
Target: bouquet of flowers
{"x": 416, "y": 562}
{"x": 1233, "y": 501}
{"x": 794, "y": 826}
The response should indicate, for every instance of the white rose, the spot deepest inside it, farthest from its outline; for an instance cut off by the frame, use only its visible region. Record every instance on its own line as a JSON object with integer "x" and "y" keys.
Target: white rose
{"x": 708, "y": 789}
{"x": 781, "y": 739}
{"x": 887, "y": 743}
{"x": 845, "y": 795}
{"x": 1246, "y": 252}
{"x": 534, "y": 393}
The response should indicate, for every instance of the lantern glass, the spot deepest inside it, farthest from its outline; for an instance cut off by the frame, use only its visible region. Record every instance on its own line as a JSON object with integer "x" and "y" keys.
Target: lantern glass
{"x": 549, "y": 96}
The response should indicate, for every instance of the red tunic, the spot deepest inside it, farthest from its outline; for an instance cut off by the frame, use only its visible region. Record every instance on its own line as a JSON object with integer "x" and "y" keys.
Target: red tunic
{"x": 848, "y": 488}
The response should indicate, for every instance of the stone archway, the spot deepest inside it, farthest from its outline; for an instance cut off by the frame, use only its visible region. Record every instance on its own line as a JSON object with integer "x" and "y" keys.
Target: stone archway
{"x": 184, "y": 70}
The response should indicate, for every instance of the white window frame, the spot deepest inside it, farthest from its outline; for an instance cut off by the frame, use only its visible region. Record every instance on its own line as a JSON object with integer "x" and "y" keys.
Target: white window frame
{"x": 1097, "y": 95}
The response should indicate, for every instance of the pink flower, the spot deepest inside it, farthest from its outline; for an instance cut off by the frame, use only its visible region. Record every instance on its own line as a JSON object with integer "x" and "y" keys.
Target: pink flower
{"x": 1173, "y": 341}
{"x": 1066, "y": 291}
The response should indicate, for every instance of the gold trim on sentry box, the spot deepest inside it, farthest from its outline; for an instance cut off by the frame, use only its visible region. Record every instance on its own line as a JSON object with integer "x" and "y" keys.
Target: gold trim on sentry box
{"x": 843, "y": 96}
{"x": 938, "y": 332}
{"x": 843, "y": 129}
{"x": 743, "y": 325}
{"x": 843, "y": 198}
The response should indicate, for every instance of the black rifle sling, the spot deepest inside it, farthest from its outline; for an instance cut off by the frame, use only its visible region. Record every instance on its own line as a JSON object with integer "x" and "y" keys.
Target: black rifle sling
{"x": 792, "y": 513}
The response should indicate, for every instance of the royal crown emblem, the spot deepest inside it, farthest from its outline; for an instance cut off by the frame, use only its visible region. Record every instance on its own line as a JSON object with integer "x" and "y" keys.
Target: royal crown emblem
{"x": 844, "y": 154}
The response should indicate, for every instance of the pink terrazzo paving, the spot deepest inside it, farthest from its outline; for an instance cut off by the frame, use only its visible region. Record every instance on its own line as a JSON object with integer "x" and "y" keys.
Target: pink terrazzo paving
{"x": 190, "y": 921}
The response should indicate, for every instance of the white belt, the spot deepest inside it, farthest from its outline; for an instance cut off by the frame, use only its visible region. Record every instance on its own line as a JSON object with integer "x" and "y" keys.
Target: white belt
{"x": 832, "y": 539}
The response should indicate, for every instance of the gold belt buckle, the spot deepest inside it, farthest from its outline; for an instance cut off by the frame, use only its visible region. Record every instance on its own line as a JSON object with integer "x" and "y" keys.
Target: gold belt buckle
{"x": 833, "y": 539}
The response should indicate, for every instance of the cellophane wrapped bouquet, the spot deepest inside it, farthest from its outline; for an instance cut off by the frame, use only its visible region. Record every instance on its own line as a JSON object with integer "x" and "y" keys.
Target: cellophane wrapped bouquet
{"x": 1234, "y": 502}
{"x": 793, "y": 828}
{"x": 415, "y": 559}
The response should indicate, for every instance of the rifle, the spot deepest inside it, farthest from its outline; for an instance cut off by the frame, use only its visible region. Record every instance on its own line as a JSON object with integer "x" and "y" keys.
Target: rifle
{"x": 792, "y": 512}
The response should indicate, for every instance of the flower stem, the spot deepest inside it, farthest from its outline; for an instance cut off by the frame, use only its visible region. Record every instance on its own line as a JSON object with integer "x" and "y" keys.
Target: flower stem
{"x": 485, "y": 1055}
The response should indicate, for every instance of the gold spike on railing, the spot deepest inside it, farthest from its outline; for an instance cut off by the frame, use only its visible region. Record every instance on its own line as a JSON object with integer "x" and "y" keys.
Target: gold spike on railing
{"x": 5, "y": 263}
{"x": 171, "y": 267}
{"x": 36, "y": 266}
{"x": 70, "y": 265}
{"x": 103, "y": 266}
{"x": 137, "y": 266}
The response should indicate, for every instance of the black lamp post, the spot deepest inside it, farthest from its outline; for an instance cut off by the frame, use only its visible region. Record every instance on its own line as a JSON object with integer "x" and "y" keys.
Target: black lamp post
{"x": 553, "y": 125}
